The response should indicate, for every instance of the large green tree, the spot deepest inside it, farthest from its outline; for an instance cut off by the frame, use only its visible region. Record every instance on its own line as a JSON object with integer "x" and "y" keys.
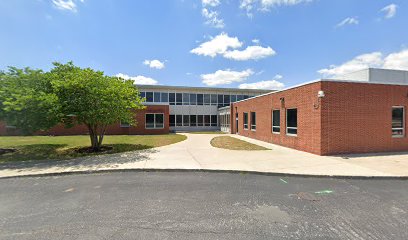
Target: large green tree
{"x": 27, "y": 100}
{"x": 33, "y": 100}
{"x": 89, "y": 97}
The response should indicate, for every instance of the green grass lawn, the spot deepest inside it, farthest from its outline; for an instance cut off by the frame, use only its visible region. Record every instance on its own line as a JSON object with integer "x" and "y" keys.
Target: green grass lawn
{"x": 232, "y": 143}
{"x": 64, "y": 147}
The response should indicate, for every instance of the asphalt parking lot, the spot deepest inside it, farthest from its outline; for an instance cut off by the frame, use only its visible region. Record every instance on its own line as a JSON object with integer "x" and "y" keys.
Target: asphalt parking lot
{"x": 200, "y": 205}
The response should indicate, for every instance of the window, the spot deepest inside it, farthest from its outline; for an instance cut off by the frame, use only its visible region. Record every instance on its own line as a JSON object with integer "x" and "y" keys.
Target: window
{"x": 291, "y": 121}
{"x": 207, "y": 99}
{"x": 233, "y": 98}
{"x": 149, "y": 96}
{"x": 193, "y": 120}
{"x": 186, "y": 98}
{"x": 214, "y": 99}
{"x": 157, "y": 97}
{"x": 220, "y": 100}
{"x": 142, "y": 94}
{"x": 200, "y": 99}
{"x": 124, "y": 124}
{"x": 179, "y": 98}
{"x": 200, "y": 120}
{"x": 253, "y": 121}
{"x": 186, "y": 120}
{"x": 172, "y": 120}
{"x": 240, "y": 97}
{"x": 164, "y": 97}
{"x": 193, "y": 99}
{"x": 154, "y": 120}
{"x": 172, "y": 98}
{"x": 276, "y": 121}
{"x": 398, "y": 122}
{"x": 207, "y": 120}
{"x": 214, "y": 122}
{"x": 246, "y": 121}
{"x": 227, "y": 100}
{"x": 179, "y": 120}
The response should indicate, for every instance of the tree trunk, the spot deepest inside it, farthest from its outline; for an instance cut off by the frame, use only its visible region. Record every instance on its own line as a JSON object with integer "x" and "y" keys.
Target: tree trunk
{"x": 96, "y": 137}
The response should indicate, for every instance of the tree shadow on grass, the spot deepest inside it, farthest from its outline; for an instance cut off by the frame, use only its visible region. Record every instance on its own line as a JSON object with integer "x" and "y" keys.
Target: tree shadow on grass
{"x": 40, "y": 156}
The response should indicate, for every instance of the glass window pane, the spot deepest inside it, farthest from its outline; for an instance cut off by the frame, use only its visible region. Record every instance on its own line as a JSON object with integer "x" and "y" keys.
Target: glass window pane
{"x": 292, "y": 118}
{"x": 233, "y": 98}
{"x": 207, "y": 99}
{"x": 186, "y": 120}
{"x": 253, "y": 120}
{"x": 159, "y": 120}
{"x": 149, "y": 96}
{"x": 157, "y": 97}
{"x": 193, "y": 120}
{"x": 200, "y": 120}
{"x": 149, "y": 120}
{"x": 276, "y": 118}
{"x": 172, "y": 98}
{"x": 207, "y": 120}
{"x": 193, "y": 99}
{"x": 214, "y": 122}
{"x": 164, "y": 97}
{"x": 240, "y": 97}
{"x": 200, "y": 99}
{"x": 226, "y": 99}
{"x": 172, "y": 120}
{"x": 292, "y": 131}
{"x": 220, "y": 100}
{"x": 214, "y": 99}
{"x": 179, "y": 98}
{"x": 186, "y": 98}
{"x": 142, "y": 94}
{"x": 179, "y": 120}
{"x": 397, "y": 117}
{"x": 276, "y": 129}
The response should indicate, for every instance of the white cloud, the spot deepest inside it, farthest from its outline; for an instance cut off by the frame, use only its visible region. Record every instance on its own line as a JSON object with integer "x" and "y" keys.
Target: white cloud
{"x": 250, "y": 53}
{"x": 212, "y": 18}
{"x": 227, "y": 47}
{"x": 273, "y": 84}
{"x": 212, "y": 3}
{"x": 358, "y": 63}
{"x": 142, "y": 80}
{"x": 255, "y": 41}
{"x": 227, "y": 76}
{"x": 397, "y": 60}
{"x": 348, "y": 21}
{"x": 154, "y": 64}
{"x": 390, "y": 10}
{"x": 277, "y": 3}
{"x": 217, "y": 45}
{"x": 266, "y": 5}
{"x": 65, "y": 5}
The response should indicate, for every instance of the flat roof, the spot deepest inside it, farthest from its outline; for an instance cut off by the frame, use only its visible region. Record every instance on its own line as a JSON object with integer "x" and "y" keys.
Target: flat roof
{"x": 203, "y": 88}
{"x": 322, "y": 80}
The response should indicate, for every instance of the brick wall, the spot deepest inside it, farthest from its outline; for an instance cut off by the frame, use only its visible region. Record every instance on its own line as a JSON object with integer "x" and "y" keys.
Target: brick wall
{"x": 356, "y": 117}
{"x": 113, "y": 129}
{"x": 309, "y": 125}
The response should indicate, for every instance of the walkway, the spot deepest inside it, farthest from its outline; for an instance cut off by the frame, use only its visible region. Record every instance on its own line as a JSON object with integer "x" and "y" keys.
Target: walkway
{"x": 197, "y": 153}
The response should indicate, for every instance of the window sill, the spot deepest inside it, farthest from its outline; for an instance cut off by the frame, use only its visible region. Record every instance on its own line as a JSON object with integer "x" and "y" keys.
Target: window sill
{"x": 291, "y": 135}
{"x": 277, "y": 133}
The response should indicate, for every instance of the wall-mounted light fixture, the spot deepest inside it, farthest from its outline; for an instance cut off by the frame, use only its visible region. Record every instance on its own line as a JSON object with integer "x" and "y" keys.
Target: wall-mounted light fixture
{"x": 320, "y": 95}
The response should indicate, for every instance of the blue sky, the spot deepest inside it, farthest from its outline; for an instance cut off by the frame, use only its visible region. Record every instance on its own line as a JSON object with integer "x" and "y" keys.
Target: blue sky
{"x": 220, "y": 43}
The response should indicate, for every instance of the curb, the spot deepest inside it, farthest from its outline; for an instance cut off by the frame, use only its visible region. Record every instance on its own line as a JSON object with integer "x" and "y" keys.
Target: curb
{"x": 137, "y": 170}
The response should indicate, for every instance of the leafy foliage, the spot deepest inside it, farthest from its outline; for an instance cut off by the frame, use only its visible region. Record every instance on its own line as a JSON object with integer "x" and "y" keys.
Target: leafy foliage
{"x": 33, "y": 100}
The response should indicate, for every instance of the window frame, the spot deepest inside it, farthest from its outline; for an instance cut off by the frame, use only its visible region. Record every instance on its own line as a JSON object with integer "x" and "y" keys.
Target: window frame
{"x": 253, "y": 126}
{"x": 245, "y": 120}
{"x": 276, "y": 126}
{"x": 403, "y": 122}
{"x": 287, "y": 133}
{"x": 154, "y": 121}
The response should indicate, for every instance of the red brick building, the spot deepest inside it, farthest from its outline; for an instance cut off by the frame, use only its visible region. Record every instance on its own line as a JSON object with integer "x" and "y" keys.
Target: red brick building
{"x": 329, "y": 117}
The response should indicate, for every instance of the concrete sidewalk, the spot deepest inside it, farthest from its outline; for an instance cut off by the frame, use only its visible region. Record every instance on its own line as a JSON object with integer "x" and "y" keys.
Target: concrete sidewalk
{"x": 197, "y": 153}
